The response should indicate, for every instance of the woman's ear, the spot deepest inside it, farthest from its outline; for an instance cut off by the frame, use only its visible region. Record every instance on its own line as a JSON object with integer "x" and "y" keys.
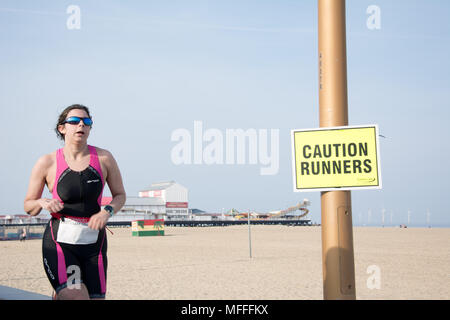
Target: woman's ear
{"x": 62, "y": 129}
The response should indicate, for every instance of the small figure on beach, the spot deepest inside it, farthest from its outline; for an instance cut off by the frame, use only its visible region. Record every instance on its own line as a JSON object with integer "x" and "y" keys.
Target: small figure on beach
{"x": 74, "y": 245}
{"x": 23, "y": 235}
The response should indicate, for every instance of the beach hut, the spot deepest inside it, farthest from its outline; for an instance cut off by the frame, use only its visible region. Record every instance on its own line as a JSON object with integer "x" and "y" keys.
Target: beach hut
{"x": 143, "y": 228}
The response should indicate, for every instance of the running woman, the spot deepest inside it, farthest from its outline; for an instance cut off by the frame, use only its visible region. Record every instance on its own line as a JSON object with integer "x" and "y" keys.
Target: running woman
{"x": 74, "y": 244}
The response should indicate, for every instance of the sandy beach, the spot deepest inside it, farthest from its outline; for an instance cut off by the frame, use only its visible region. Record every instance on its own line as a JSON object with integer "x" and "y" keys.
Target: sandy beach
{"x": 214, "y": 263}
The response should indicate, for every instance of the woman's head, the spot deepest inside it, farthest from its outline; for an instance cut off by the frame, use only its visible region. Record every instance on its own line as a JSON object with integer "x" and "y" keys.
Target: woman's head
{"x": 74, "y": 129}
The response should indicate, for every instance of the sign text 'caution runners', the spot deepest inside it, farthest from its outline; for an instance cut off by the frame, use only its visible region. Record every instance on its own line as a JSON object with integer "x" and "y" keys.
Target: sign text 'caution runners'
{"x": 336, "y": 158}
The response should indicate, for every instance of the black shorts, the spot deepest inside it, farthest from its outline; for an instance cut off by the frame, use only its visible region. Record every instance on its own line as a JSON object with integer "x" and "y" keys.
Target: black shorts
{"x": 69, "y": 264}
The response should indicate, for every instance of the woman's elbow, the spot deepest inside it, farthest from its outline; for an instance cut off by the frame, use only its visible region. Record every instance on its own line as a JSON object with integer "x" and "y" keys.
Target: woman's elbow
{"x": 30, "y": 209}
{"x": 124, "y": 197}
{"x": 26, "y": 207}
{"x": 120, "y": 194}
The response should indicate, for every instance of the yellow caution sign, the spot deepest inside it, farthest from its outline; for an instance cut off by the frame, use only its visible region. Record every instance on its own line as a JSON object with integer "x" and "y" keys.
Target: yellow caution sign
{"x": 336, "y": 158}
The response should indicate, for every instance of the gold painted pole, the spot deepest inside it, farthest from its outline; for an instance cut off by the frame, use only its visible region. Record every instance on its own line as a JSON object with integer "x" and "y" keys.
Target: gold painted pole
{"x": 337, "y": 233}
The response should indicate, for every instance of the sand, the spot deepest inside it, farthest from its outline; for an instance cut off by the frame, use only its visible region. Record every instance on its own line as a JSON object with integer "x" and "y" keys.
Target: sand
{"x": 286, "y": 263}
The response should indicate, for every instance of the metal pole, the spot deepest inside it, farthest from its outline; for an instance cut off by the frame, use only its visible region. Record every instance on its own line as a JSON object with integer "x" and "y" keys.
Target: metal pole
{"x": 249, "y": 234}
{"x": 337, "y": 232}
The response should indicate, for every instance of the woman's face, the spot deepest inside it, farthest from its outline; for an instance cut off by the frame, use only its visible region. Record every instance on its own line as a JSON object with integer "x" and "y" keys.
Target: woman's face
{"x": 75, "y": 132}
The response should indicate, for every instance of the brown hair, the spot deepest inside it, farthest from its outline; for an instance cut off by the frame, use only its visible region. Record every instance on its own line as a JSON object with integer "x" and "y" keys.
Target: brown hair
{"x": 62, "y": 117}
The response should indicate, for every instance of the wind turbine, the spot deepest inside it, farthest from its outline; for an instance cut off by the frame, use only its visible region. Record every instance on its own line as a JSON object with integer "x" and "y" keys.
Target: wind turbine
{"x": 409, "y": 217}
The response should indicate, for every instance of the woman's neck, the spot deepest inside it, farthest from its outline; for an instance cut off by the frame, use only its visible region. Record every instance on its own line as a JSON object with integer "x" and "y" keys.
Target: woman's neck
{"x": 75, "y": 151}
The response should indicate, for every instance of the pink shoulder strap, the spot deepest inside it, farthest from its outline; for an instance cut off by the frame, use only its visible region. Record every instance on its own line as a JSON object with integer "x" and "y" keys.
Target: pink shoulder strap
{"x": 95, "y": 162}
{"x": 61, "y": 166}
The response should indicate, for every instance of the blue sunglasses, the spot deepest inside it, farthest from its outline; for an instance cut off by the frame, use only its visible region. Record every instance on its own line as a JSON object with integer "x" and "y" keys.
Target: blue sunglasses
{"x": 76, "y": 120}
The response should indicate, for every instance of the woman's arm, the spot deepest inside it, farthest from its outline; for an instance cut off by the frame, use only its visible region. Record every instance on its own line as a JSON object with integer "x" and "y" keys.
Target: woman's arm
{"x": 33, "y": 202}
{"x": 115, "y": 184}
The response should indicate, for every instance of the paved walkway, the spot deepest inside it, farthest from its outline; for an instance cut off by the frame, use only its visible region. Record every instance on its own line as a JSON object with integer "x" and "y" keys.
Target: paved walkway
{"x": 8, "y": 293}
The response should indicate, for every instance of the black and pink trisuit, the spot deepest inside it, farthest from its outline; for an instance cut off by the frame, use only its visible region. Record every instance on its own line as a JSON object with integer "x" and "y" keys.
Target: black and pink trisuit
{"x": 72, "y": 252}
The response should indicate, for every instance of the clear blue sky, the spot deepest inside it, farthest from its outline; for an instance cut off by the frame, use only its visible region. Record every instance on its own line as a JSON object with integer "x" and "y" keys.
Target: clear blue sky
{"x": 147, "y": 68}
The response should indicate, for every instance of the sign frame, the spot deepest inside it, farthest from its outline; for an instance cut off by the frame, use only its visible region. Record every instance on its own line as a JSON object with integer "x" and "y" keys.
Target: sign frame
{"x": 343, "y": 188}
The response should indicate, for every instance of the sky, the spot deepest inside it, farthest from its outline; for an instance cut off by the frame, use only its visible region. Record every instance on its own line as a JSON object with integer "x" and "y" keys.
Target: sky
{"x": 148, "y": 69}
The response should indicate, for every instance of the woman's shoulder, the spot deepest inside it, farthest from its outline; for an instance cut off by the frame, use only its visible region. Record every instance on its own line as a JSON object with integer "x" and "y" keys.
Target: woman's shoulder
{"x": 46, "y": 161}
{"x": 106, "y": 158}
{"x": 48, "y": 158}
{"x": 103, "y": 153}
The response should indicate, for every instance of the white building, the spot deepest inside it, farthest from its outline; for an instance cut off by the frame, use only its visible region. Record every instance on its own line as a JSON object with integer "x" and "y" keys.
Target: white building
{"x": 162, "y": 200}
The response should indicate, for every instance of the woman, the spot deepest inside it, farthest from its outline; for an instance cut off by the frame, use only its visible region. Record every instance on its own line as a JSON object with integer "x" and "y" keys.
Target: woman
{"x": 74, "y": 243}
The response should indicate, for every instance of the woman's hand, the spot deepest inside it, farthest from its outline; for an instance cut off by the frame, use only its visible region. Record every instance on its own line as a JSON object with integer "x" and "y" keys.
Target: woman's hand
{"x": 98, "y": 221}
{"x": 52, "y": 205}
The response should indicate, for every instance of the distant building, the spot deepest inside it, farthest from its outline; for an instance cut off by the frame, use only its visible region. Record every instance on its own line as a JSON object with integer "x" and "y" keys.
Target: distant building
{"x": 23, "y": 219}
{"x": 162, "y": 200}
